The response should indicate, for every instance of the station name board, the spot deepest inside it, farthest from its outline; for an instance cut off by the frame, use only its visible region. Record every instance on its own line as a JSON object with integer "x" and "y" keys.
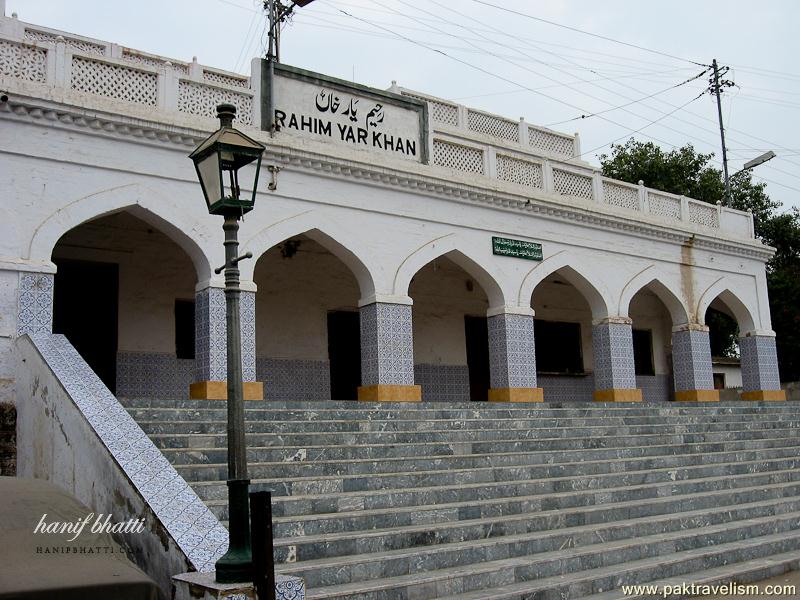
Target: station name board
{"x": 334, "y": 111}
{"x": 516, "y": 248}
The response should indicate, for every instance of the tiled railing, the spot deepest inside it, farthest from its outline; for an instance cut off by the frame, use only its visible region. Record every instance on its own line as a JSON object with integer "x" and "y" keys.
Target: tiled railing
{"x": 464, "y": 140}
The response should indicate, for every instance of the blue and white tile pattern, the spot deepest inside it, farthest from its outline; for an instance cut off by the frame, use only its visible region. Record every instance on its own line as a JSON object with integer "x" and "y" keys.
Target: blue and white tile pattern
{"x": 759, "y": 363}
{"x": 512, "y": 351}
{"x": 188, "y": 520}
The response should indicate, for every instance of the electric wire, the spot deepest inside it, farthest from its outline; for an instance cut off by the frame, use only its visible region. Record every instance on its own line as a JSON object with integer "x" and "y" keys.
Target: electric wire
{"x": 612, "y": 79}
{"x": 602, "y": 37}
{"x": 657, "y": 120}
{"x": 648, "y": 120}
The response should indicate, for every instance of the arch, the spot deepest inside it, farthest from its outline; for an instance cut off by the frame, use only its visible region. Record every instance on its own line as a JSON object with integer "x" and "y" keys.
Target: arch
{"x": 450, "y": 246}
{"x": 720, "y": 289}
{"x": 140, "y": 201}
{"x": 562, "y": 262}
{"x": 647, "y": 279}
{"x": 319, "y": 228}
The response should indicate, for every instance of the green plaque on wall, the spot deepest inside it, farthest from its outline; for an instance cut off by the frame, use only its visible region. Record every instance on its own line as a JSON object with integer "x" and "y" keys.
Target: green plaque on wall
{"x": 516, "y": 248}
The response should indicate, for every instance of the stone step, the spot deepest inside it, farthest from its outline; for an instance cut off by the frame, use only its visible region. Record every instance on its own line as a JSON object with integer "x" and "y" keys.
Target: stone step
{"x": 742, "y": 573}
{"x": 542, "y": 495}
{"x": 328, "y": 484}
{"x": 316, "y": 409}
{"x": 437, "y": 411}
{"x": 297, "y": 470}
{"x": 305, "y": 439}
{"x": 679, "y": 423}
{"x": 539, "y": 501}
{"x": 463, "y": 501}
{"x": 594, "y": 509}
{"x": 452, "y": 449}
{"x": 567, "y": 572}
{"x": 487, "y": 540}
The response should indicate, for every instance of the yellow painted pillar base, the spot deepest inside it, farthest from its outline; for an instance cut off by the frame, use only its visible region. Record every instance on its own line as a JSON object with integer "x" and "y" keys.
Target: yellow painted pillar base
{"x": 516, "y": 395}
{"x": 697, "y": 396}
{"x": 390, "y": 393}
{"x": 618, "y": 395}
{"x": 218, "y": 390}
{"x": 765, "y": 396}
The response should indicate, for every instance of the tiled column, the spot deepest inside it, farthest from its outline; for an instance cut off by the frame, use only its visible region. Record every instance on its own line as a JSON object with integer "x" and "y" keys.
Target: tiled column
{"x": 387, "y": 353}
{"x": 512, "y": 359}
{"x": 35, "y": 307}
{"x": 210, "y": 362}
{"x": 614, "y": 372}
{"x": 760, "y": 379}
{"x": 691, "y": 364}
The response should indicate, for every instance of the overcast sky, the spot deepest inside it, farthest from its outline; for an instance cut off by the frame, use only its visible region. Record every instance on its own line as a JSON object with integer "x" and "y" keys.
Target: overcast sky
{"x": 513, "y": 64}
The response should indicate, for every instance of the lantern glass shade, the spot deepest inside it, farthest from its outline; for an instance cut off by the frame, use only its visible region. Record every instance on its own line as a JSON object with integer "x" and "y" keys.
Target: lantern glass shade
{"x": 217, "y": 161}
{"x": 211, "y": 178}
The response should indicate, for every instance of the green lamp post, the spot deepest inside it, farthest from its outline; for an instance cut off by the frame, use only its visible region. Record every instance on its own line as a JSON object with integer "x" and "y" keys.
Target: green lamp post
{"x": 217, "y": 161}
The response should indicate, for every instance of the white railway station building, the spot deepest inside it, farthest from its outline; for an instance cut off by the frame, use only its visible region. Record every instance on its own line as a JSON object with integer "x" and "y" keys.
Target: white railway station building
{"x": 405, "y": 247}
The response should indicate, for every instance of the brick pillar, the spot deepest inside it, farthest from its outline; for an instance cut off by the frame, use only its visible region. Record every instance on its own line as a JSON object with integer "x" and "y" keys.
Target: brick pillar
{"x": 760, "y": 378}
{"x": 387, "y": 353}
{"x": 210, "y": 342}
{"x": 512, "y": 359}
{"x": 614, "y": 372}
{"x": 691, "y": 364}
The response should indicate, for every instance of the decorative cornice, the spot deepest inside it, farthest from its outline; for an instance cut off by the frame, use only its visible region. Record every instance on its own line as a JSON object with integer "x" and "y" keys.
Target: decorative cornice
{"x": 182, "y": 137}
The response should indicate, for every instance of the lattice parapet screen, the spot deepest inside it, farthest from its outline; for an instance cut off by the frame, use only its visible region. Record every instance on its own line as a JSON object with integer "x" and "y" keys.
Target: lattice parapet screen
{"x": 202, "y": 100}
{"x": 223, "y": 79}
{"x": 493, "y": 126}
{"x": 522, "y": 172}
{"x": 621, "y": 195}
{"x": 152, "y": 61}
{"x": 114, "y": 81}
{"x": 23, "y": 62}
{"x": 440, "y": 112}
{"x": 704, "y": 214}
{"x": 551, "y": 142}
{"x": 571, "y": 184}
{"x": 455, "y": 156}
{"x": 664, "y": 206}
{"x": 72, "y": 43}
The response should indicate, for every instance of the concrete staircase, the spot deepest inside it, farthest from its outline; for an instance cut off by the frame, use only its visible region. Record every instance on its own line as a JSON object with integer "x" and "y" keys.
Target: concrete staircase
{"x": 503, "y": 501}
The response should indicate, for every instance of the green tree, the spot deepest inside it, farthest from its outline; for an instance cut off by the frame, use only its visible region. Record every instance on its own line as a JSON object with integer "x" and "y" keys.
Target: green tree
{"x": 686, "y": 172}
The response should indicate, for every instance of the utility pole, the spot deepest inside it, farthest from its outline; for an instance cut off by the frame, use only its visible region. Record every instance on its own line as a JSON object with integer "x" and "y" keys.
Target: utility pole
{"x": 716, "y": 91}
{"x": 276, "y": 14}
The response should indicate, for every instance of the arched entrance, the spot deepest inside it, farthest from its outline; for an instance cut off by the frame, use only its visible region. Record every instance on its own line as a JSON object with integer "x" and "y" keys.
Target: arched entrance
{"x": 654, "y": 310}
{"x": 307, "y": 323}
{"x": 563, "y": 332}
{"x": 451, "y": 351}
{"x": 124, "y": 297}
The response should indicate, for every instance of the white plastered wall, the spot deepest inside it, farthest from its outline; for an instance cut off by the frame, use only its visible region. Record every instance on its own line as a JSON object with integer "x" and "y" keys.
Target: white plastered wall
{"x": 55, "y": 178}
{"x": 294, "y": 297}
{"x": 442, "y": 299}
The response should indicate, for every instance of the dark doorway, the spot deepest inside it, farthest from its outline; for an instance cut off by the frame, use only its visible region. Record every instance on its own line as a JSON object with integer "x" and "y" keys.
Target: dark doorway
{"x": 558, "y": 347}
{"x": 477, "y": 335}
{"x": 85, "y": 302}
{"x": 344, "y": 354}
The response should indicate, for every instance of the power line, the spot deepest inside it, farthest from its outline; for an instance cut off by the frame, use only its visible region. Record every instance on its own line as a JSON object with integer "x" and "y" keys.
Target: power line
{"x": 316, "y": 8}
{"x": 641, "y": 128}
{"x": 568, "y": 85}
{"x": 594, "y": 114}
{"x": 312, "y": 15}
{"x": 575, "y": 29}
